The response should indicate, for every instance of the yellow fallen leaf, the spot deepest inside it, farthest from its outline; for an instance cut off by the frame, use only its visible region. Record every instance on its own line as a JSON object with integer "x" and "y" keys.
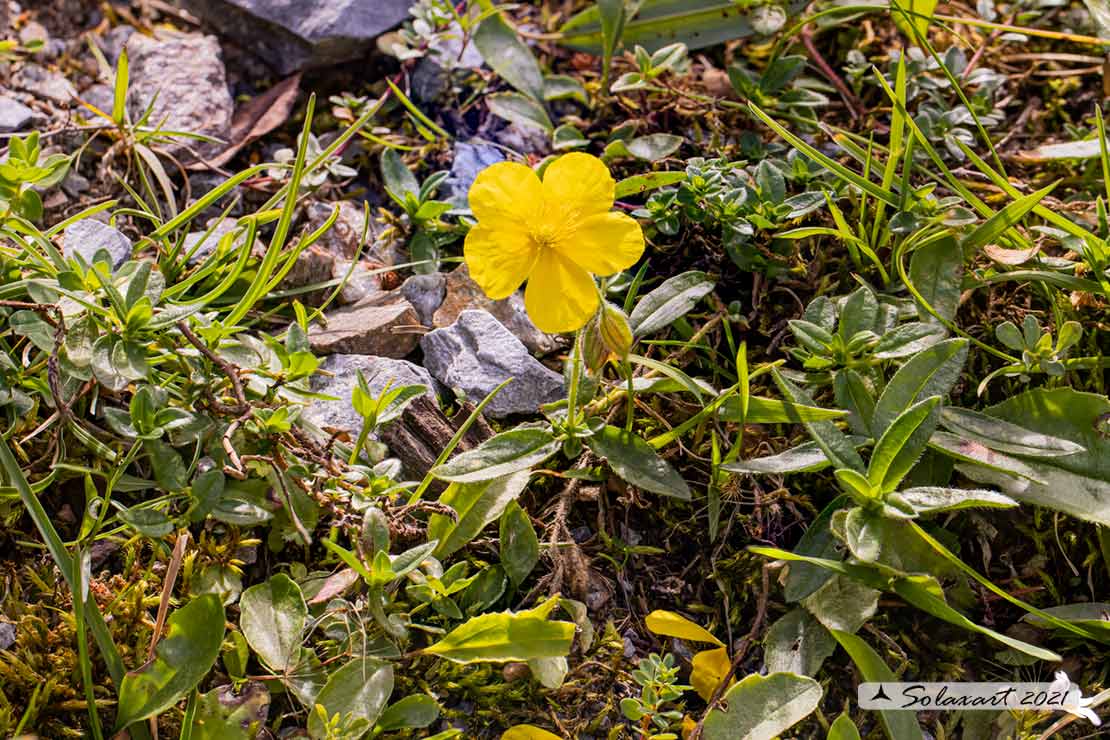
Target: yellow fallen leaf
{"x": 528, "y": 732}
{"x": 675, "y": 625}
{"x": 709, "y": 668}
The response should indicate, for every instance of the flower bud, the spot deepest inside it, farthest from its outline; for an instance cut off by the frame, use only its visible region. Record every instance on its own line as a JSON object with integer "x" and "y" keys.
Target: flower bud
{"x": 615, "y": 330}
{"x": 594, "y": 351}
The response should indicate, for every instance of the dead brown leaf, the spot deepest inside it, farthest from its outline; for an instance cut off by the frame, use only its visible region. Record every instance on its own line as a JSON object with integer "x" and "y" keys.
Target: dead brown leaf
{"x": 256, "y": 118}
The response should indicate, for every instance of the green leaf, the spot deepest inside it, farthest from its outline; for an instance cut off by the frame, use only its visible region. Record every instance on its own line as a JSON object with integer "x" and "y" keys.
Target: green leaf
{"x": 119, "y": 96}
{"x": 843, "y": 729}
{"x": 1003, "y": 436}
{"x": 567, "y": 136}
{"x": 148, "y": 522}
{"x": 358, "y": 690}
{"x": 507, "y": 55}
{"x": 613, "y": 15}
{"x": 653, "y": 147}
{"x": 521, "y": 109}
{"x": 645, "y": 183}
{"x": 696, "y": 23}
{"x": 837, "y": 447}
{"x": 936, "y": 270}
{"x": 1077, "y": 484}
{"x": 520, "y": 548}
{"x": 32, "y": 325}
{"x": 763, "y": 707}
{"x": 561, "y": 87}
{"x": 670, "y": 301}
{"x": 273, "y": 616}
{"x": 852, "y": 392}
{"x": 477, "y": 504}
{"x": 636, "y": 462}
{"x": 907, "y": 339}
{"x": 505, "y": 453}
{"x": 226, "y": 714}
{"x": 773, "y": 411}
{"x": 818, "y": 540}
{"x": 898, "y": 725}
{"x": 506, "y": 636}
{"x": 921, "y": 591}
{"x": 931, "y": 500}
{"x": 920, "y": 12}
{"x": 797, "y": 643}
{"x": 994, "y": 227}
{"x": 398, "y": 179}
{"x": 416, "y": 711}
{"x": 929, "y": 373}
{"x": 902, "y": 444}
{"x": 182, "y": 659}
{"x": 805, "y": 458}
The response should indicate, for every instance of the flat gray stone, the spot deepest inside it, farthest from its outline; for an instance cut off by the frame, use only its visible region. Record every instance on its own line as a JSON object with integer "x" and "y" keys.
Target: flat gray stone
{"x": 44, "y": 83}
{"x": 183, "y": 76}
{"x": 197, "y": 247}
{"x": 7, "y": 635}
{"x": 477, "y": 353}
{"x": 339, "y": 415}
{"x": 470, "y": 158}
{"x": 425, "y": 293}
{"x": 367, "y": 328}
{"x": 14, "y": 115}
{"x": 88, "y": 236}
{"x": 292, "y": 35}
{"x": 463, "y": 293}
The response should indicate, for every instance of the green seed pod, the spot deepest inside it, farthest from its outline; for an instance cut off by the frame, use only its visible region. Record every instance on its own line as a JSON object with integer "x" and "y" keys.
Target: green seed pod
{"x": 615, "y": 330}
{"x": 375, "y": 532}
{"x": 594, "y": 351}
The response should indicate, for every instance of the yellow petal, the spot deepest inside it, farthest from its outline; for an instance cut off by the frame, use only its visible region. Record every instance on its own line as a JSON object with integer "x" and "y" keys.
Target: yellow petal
{"x": 499, "y": 258}
{"x": 709, "y": 668}
{"x": 578, "y": 185}
{"x": 670, "y": 624}
{"x": 561, "y": 296}
{"x": 506, "y": 193}
{"x": 604, "y": 244}
{"x": 528, "y": 732}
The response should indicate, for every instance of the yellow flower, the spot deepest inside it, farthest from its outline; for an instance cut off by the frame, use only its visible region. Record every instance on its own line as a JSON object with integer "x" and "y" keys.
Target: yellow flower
{"x": 553, "y": 233}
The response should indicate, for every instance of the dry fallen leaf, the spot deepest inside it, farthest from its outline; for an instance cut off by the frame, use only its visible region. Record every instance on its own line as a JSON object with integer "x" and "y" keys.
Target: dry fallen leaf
{"x": 260, "y": 116}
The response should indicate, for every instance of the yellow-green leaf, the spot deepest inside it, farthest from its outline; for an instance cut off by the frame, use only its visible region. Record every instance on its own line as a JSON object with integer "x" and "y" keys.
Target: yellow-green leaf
{"x": 528, "y": 732}
{"x": 709, "y": 668}
{"x": 675, "y": 625}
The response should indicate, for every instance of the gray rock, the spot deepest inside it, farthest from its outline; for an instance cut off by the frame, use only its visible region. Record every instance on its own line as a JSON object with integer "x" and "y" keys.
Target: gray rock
{"x": 431, "y": 77}
{"x": 298, "y": 34}
{"x": 74, "y": 183}
{"x": 112, "y": 42}
{"x": 345, "y": 236}
{"x": 183, "y": 76}
{"x": 203, "y": 182}
{"x": 44, "y": 83}
{"x": 367, "y": 328}
{"x": 339, "y": 415}
{"x": 88, "y": 236}
{"x": 524, "y": 139}
{"x": 197, "y": 247}
{"x": 362, "y": 283}
{"x": 477, "y": 353}
{"x": 100, "y": 96}
{"x": 314, "y": 266}
{"x": 463, "y": 293}
{"x": 470, "y": 158}
{"x": 425, "y": 293}
{"x": 14, "y": 115}
{"x": 7, "y": 635}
